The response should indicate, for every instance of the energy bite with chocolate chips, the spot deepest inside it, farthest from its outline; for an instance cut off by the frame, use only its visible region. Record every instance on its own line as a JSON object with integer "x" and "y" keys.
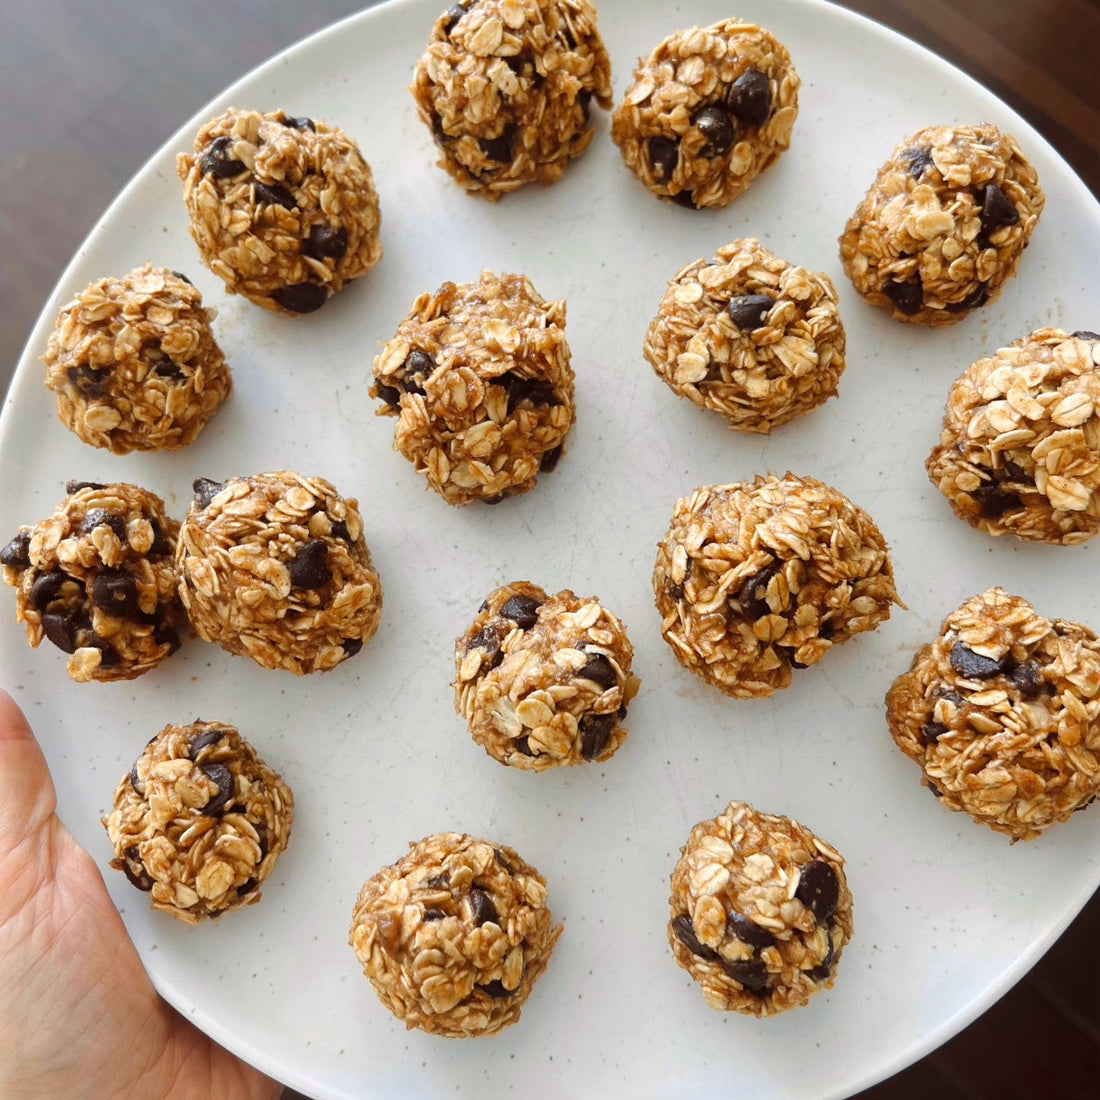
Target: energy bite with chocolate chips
{"x": 134, "y": 363}
{"x": 544, "y": 680}
{"x": 283, "y": 209}
{"x": 748, "y": 335}
{"x": 454, "y": 935}
{"x": 943, "y": 225}
{"x": 708, "y": 111}
{"x": 97, "y": 580}
{"x": 761, "y": 577}
{"x": 1002, "y": 713}
{"x": 760, "y": 911}
{"x": 274, "y": 567}
{"x": 1019, "y": 452}
{"x": 199, "y": 821}
{"x": 479, "y": 379}
{"x": 506, "y": 86}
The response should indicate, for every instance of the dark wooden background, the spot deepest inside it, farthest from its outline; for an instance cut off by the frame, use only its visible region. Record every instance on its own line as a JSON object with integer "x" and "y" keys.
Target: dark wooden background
{"x": 90, "y": 91}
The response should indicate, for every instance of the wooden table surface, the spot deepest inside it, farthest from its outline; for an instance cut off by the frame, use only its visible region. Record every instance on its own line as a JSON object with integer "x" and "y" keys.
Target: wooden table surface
{"x": 90, "y": 91}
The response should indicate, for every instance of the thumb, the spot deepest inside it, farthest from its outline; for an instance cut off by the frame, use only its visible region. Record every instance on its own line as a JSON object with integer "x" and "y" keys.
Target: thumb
{"x": 27, "y": 798}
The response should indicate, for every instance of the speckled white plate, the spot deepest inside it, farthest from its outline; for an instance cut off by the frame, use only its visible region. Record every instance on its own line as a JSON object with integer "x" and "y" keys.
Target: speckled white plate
{"x": 948, "y": 915}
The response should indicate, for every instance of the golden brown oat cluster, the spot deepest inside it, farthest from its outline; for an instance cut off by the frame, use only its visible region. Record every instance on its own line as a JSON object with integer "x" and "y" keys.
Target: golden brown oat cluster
{"x": 1020, "y": 448}
{"x": 1002, "y": 713}
{"x": 479, "y": 379}
{"x": 454, "y": 935}
{"x": 274, "y": 567}
{"x": 750, "y": 336}
{"x": 708, "y": 111}
{"x": 200, "y": 821}
{"x": 97, "y": 580}
{"x": 283, "y": 209}
{"x": 544, "y": 680}
{"x": 760, "y": 911}
{"x": 505, "y": 87}
{"x": 134, "y": 363}
{"x": 943, "y": 225}
{"x": 758, "y": 578}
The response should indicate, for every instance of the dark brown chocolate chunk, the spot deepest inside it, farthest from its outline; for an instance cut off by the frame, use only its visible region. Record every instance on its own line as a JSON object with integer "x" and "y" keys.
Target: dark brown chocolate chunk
{"x": 301, "y": 297}
{"x": 135, "y": 781}
{"x": 247, "y": 887}
{"x": 390, "y": 394}
{"x": 273, "y": 194}
{"x": 325, "y": 242}
{"x": 202, "y": 740}
{"x": 825, "y": 968}
{"x": 161, "y": 543}
{"x": 818, "y": 889}
{"x": 906, "y": 297}
{"x": 351, "y": 646}
{"x": 217, "y": 159}
{"x": 108, "y": 655}
{"x": 220, "y": 775}
{"x": 748, "y": 931}
{"x": 454, "y": 13}
{"x": 438, "y": 882}
{"x": 180, "y": 275}
{"x": 752, "y": 595}
{"x": 973, "y": 666}
{"x": 685, "y": 933}
{"x": 309, "y": 568}
{"x": 523, "y": 745}
{"x": 100, "y": 517}
{"x": 431, "y": 913}
{"x": 918, "y": 159}
{"x": 300, "y": 122}
{"x": 536, "y": 391}
{"x": 1084, "y": 334}
{"x": 205, "y": 490}
{"x": 166, "y": 634}
{"x": 685, "y": 199}
{"x": 936, "y": 792}
{"x": 522, "y": 610}
{"x": 973, "y": 300}
{"x": 60, "y": 629}
{"x": 88, "y": 381}
{"x": 488, "y": 638}
{"x": 165, "y": 367}
{"x": 134, "y": 870}
{"x": 997, "y": 210}
{"x": 47, "y": 587}
{"x": 499, "y": 149}
{"x": 496, "y": 990}
{"x": 482, "y": 909}
{"x": 716, "y": 126}
{"x": 751, "y": 973}
{"x": 1028, "y": 677}
{"x": 664, "y": 152}
{"x": 595, "y": 732}
{"x": 17, "y": 553}
{"x": 75, "y": 486}
{"x": 416, "y": 370}
{"x": 750, "y": 98}
{"x": 749, "y": 310}
{"x": 931, "y": 732}
{"x": 115, "y": 592}
{"x": 549, "y": 461}
{"x": 599, "y": 670}
{"x": 994, "y": 500}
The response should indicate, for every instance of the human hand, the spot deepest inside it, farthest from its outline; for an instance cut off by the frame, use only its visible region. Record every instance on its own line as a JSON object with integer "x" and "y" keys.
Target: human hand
{"x": 78, "y": 1014}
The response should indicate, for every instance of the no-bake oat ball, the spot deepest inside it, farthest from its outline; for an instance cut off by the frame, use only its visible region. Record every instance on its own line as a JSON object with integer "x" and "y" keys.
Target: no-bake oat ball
{"x": 1002, "y": 713}
{"x": 1019, "y": 452}
{"x": 506, "y": 86}
{"x": 761, "y": 577}
{"x": 454, "y": 935}
{"x": 134, "y": 363}
{"x": 479, "y": 379}
{"x": 544, "y": 680}
{"x": 282, "y": 208}
{"x": 750, "y": 336}
{"x": 275, "y": 567}
{"x": 708, "y": 111}
{"x": 760, "y": 911}
{"x": 200, "y": 821}
{"x": 944, "y": 224}
{"x": 97, "y": 580}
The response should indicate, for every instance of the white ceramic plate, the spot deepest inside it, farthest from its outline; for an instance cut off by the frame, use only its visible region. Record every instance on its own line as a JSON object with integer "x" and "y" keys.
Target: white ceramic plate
{"x": 948, "y": 915}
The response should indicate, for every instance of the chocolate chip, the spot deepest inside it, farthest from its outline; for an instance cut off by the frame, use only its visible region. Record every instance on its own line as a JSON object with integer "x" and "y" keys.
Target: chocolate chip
{"x": 47, "y": 587}
{"x": 390, "y": 394}
{"x": 584, "y": 100}
{"x": 664, "y": 152}
{"x": 974, "y": 666}
{"x": 934, "y": 789}
{"x": 535, "y": 391}
{"x": 522, "y": 610}
{"x": 454, "y": 13}
{"x": 685, "y": 199}
{"x": 549, "y": 460}
{"x": 100, "y": 517}
{"x": 161, "y": 543}
{"x": 748, "y": 931}
{"x": 108, "y": 655}
{"x": 246, "y": 887}
{"x": 499, "y": 149}
{"x": 1085, "y": 805}
{"x": 139, "y": 878}
{"x": 205, "y": 490}
{"x": 919, "y": 159}
{"x": 301, "y": 297}
{"x": 60, "y": 629}
{"x": 496, "y": 989}
{"x": 931, "y": 732}
{"x": 135, "y": 781}
{"x": 183, "y": 278}
{"x": 202, "y": 740}
{"x": 1028, "y": 677}
{"x": 818, "y": 889}
{"x": 488, "y": 639}
{"x": 164, "y": 367}
{"x": 825, "y": 968}
{"x": 431, "y": 913}
{"x": 685, "y": 933}
{"x": 973, "y": 300}
{"x": 17, "y": 553}
{"x": 86, "y": 380}
{"x": 351, "y": 646}
{"x": 752, "y": 595}
{"x": 748, "y": 310}
{"x": 325, "y": 242}
{"x": 504, "y": 860}
{"x": 994, "y": 500}
{"x": 75, "y": 486}
{"x": 906, "y": 297}
{"x": 273, "y": 194}
{"x": 166, "y": 634}
{"x": 750, "y": 98}
{"x": 717, "y": 127}
{"x": 219, "y": 774}
{"x": 595, "y": 732}
{"x": 217, "y": 159}
{"x": 997, "y": 210}
{"x": 300, "y": 123}
{"x": 599, "y": 670}
{"x": 523, "y": 746}
{"x": 115, "y": 592}
{"x": 309, "y": 569}
{"x": 416, "y": 370}
{"x": 1084, "y": 334}
{"x": 751, "y": 973}
{"x": 439, "y": 882}
{"x": 490, "y": 501}
{"x": 482, "y": 909}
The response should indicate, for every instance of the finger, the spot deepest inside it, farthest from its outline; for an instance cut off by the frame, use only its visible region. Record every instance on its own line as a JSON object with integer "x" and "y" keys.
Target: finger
{"x": 27, "y": 799}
